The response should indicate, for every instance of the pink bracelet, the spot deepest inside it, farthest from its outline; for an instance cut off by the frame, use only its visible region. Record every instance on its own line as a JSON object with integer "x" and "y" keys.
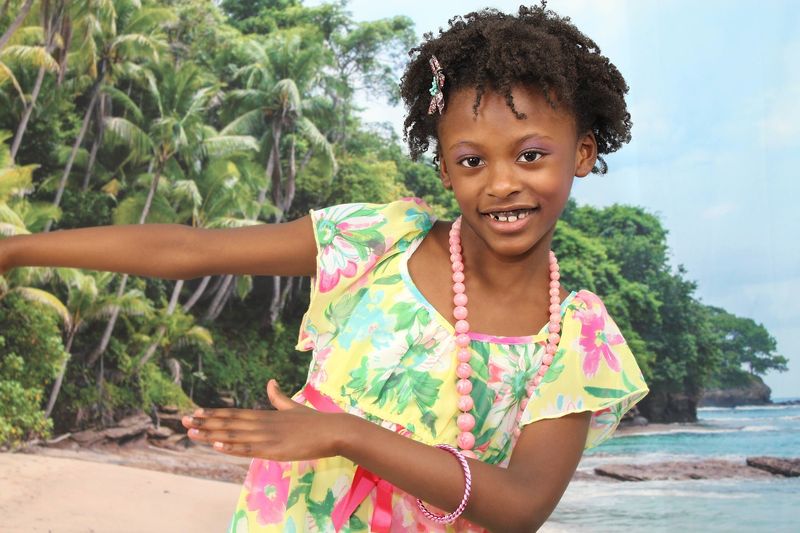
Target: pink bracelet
{"x": 448, "y": 518}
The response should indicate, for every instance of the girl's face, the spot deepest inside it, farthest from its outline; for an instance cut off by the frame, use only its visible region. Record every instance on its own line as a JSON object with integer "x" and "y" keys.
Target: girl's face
{"x": 511, "y": 177}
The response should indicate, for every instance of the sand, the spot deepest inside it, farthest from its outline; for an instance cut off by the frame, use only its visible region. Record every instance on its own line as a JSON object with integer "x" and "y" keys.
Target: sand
{"x": 62, "y": 495}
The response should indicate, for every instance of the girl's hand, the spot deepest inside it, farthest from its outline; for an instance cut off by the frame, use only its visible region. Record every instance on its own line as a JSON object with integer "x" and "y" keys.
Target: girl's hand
{"x": 292, "y": 433}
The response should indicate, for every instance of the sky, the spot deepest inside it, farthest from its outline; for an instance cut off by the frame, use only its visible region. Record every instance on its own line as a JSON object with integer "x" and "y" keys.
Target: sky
{"x": 715, "y": 100}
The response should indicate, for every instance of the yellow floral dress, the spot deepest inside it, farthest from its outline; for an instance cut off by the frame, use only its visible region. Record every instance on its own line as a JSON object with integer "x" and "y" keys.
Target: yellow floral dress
{"x": 382, "y": 352}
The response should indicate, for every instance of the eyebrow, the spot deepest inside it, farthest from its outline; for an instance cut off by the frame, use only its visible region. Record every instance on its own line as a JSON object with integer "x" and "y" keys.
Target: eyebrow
{"x": 519, "y": 141}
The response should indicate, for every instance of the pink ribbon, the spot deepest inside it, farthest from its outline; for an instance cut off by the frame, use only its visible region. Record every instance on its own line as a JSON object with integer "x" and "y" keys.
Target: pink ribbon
{"x": 364, "y": 481}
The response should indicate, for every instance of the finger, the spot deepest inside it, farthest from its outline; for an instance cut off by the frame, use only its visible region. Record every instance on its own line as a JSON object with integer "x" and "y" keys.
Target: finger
{"x": 277, "y": 398}
{"x": 242, "y": 414}
{"x": 221, "y": 423}
{"x": 227, "y": 436}
{"x": 241, "y": 450}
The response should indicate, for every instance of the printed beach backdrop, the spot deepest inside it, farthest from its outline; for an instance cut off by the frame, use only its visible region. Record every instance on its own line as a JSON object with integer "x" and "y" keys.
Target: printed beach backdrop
{"x": 124, "y": 112}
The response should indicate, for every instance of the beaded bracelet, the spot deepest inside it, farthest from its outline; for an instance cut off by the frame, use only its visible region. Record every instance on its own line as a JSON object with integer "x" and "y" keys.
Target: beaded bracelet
{"x": 448, "y": 518}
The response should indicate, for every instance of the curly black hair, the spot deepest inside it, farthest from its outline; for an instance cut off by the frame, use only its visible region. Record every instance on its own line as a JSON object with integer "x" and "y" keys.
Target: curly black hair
{"x": 491, "y": 50}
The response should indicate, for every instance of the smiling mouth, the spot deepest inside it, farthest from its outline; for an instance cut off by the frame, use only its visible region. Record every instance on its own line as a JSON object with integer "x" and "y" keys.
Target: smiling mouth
{"x": 510, "y": 216}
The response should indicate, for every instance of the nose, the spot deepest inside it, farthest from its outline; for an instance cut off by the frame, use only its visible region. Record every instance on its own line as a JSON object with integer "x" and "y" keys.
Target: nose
{"x": 502, "y": 181}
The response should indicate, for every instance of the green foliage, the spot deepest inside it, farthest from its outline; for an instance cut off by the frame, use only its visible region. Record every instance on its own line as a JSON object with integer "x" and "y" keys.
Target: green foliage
{"x": 158, "y": 389}
{"x": 30, "y": 354}
{"x": 743, "y": 343}
{"x": 21, "y": 418}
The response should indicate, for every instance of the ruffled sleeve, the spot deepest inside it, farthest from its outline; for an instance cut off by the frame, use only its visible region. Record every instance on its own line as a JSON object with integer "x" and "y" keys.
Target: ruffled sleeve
{"x": 593, "y": 370}
{"x": 352, "y": 241}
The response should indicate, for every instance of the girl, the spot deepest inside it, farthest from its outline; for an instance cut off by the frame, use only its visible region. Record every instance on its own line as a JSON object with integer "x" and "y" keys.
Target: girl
{"x": 451, "y": 368}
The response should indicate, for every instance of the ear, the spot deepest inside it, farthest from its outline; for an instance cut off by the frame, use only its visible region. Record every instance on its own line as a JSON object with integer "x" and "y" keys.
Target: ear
{"x": 443, "y": 175}
{"x": 585, "y": 155}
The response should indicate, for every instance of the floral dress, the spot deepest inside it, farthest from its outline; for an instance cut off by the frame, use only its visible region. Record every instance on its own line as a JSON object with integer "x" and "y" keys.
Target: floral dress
{"x": 382, "y": 352}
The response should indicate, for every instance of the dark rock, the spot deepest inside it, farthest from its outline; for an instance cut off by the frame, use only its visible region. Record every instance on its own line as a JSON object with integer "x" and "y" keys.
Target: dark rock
{"x": 666, "y": 407}
{"x": 172, "y": 421}
{"x": 706, "y": 469}
{"x": 756, "y": 392}
{"x": 159, "y": 433}
{"x": 776, "y": 465}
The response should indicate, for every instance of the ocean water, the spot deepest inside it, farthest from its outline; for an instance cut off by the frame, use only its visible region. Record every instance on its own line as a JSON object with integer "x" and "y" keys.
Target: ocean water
{"x": 726, "y": 505}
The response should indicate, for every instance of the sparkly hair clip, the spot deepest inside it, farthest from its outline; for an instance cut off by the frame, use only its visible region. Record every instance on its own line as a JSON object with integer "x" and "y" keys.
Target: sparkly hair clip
{"x": 437, "y": 97}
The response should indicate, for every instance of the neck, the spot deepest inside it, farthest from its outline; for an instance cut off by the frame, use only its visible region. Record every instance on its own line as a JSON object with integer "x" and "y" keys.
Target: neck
{"x": 523, "y": 273}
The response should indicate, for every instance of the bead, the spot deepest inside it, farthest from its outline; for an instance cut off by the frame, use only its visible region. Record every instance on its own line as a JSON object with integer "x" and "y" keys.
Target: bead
{"x": 466, "y": 440}
{"x": 465, "y": 402}
{"x": 464, "y": 371}
{"x": 465, "y": 422}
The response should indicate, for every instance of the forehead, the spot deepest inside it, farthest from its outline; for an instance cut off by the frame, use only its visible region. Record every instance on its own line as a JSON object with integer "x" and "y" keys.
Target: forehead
{"x": 495, "y": 119}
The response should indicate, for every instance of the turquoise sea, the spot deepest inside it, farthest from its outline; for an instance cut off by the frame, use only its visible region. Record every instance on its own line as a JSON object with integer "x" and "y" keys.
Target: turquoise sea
{"x": 697, "y": 505}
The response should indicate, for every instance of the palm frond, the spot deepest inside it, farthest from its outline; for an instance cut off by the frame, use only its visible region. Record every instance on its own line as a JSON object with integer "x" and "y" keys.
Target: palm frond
{"x": 32, "y": 56}
{"x": 227, "y": 145}
{"x": 128, "y": 133}
{"x": 50, "y": 300}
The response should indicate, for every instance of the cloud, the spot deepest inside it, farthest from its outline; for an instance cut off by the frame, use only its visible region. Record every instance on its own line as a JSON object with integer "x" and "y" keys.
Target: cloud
{"x": 780, "y": 126}
{"x": 718, "y": 210}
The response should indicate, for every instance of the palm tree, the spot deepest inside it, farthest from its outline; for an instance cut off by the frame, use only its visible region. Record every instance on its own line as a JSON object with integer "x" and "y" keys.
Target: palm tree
{"x": 276, "y": 103}
{"x": 177, "y": 135}
{"x": 111, "y": 52}
{"x": 52, "y": 15}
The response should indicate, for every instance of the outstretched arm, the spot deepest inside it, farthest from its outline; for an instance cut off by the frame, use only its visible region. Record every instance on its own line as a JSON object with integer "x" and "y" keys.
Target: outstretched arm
{"x": 518, "y": 498}
{"x": 170, "y": 251}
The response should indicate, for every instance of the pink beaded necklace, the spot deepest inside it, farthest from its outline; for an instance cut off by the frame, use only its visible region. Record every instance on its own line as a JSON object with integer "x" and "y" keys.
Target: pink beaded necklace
{"x": 466, "y": 421}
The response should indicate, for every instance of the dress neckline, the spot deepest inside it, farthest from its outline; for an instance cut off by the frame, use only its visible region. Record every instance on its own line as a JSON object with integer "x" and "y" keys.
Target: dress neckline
{"x": 475, "y": 336}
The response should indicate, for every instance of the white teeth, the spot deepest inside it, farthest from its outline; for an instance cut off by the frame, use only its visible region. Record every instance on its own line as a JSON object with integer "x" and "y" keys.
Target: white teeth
{"x": 506, "y": 217}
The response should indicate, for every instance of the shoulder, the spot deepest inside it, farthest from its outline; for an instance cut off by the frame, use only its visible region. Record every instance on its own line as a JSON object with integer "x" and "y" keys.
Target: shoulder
{"x": 353, "y": 238}
{"x": 356, "y": 216}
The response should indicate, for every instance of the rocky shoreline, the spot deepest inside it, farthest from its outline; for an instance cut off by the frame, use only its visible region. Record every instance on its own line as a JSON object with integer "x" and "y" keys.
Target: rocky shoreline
{"x": 164, "y": 447}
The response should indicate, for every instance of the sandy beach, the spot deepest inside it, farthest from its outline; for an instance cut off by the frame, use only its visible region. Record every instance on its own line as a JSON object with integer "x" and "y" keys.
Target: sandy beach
{"x": 68, "y": 495}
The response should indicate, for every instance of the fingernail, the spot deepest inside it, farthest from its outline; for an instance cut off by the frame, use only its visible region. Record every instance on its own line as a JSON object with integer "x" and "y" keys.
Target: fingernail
{"x": 194, "y": 432}
{"x": 218, "y": 445}
{"x": 198, "y": 412}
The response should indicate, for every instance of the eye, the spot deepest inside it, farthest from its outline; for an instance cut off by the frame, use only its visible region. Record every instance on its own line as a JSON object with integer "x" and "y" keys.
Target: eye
{"x": 530, "y": 156}
{"x": 471, "y": 162}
